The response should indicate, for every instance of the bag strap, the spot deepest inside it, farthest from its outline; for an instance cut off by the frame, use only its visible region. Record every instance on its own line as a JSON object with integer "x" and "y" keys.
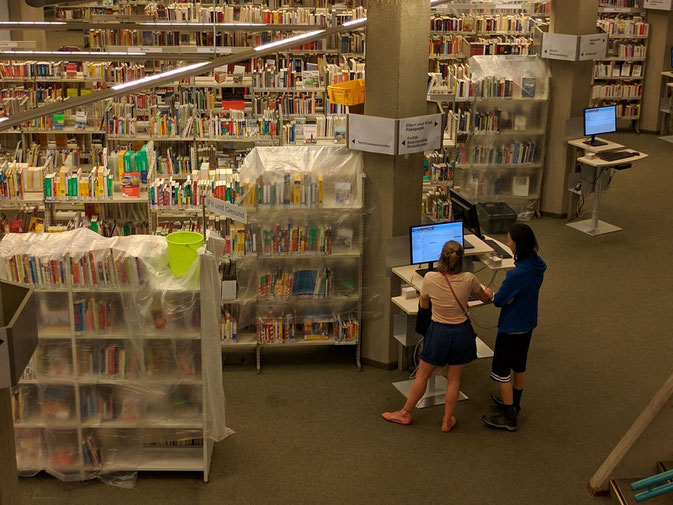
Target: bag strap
{"x": 456, "y": 297}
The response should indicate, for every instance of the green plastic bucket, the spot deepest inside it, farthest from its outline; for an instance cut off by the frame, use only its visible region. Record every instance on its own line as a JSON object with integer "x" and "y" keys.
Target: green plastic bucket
{"x": 182, "y": 247}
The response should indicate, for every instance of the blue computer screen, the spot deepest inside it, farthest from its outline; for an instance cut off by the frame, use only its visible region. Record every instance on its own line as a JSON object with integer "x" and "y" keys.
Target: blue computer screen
{"x": 600, "y": 120}
{"x": 427, "y": 241}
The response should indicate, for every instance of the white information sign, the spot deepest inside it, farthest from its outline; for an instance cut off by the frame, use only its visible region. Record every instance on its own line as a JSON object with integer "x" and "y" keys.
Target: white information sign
{"x": 371, "y": 134}
{"x": 226, "y": 209}
{"x": 420, "y": 134}
{"x": 593, "y": 46}
{"x": 559, "y": 46}
{"x": 664, "y": 5}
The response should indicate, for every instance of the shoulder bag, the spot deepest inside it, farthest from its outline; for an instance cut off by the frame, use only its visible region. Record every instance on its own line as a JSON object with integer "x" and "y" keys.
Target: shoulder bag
{"x": 423, "y": 318}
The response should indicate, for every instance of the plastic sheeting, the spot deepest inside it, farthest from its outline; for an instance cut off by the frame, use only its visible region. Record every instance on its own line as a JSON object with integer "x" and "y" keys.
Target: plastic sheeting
{"x": 503, "y": 158}
{"x": 128, "y": 371}
{"x": 301, "y": 276}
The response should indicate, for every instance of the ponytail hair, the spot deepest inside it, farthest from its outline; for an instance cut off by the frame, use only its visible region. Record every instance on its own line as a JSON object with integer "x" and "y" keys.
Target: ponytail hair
{"x": 451, "y": 259}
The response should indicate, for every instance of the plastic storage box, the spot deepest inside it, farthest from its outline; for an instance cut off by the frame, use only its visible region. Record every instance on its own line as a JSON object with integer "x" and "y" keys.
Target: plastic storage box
{"x": 347, "y": 93}
{"x": 495, "y": 217}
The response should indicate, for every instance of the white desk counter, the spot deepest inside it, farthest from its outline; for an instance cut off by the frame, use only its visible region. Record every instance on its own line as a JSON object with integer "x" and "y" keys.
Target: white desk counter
{"x": 581, "y": 144}
{"x": 599, "y": 163}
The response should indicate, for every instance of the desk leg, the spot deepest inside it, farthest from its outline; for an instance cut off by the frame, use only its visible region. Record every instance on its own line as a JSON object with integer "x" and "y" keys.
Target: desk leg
{"x": 594, "y": 226}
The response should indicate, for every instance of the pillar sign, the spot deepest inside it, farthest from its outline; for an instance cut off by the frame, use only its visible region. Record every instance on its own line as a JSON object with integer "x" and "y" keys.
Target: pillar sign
{"x": 593, "y": 46}
{"x": 663, "y": 5}
{"x": 559, "y": 46}
{"x": 420, "y": 134}
{"x": 372, "y": 134}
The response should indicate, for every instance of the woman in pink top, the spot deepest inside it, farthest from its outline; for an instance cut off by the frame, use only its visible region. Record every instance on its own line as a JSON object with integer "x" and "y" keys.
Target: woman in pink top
{"x": 450, "y": 339}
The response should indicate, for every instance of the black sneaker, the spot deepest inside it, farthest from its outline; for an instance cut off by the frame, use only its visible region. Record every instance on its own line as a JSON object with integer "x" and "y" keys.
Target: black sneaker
{"x": 500, "y": 405}
{"x": 498, "y": 421}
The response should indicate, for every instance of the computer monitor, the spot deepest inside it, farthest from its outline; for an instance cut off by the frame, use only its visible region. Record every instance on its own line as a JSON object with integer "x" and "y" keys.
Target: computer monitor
{"x": 427, "y": 241}
{"x": 598, "y": 120}
{"x": 466, "y": 211}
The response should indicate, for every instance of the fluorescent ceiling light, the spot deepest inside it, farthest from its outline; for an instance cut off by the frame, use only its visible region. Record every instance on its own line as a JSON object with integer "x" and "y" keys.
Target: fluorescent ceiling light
{"x": 289, "y": 39}
{"x": 72, "y": 53}
{"x": 354, "y": 22}
{"x": 3, "y": 119}
{"x": 32, "y": 23}
{"x": 154, "y": 77}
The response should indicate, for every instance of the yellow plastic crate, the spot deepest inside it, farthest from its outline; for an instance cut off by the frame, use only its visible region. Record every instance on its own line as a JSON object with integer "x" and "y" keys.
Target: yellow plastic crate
{"x": 347, "y": 93}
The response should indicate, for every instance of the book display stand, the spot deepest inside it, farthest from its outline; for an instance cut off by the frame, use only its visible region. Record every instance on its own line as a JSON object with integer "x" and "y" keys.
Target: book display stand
{"x": 127, "y": 376}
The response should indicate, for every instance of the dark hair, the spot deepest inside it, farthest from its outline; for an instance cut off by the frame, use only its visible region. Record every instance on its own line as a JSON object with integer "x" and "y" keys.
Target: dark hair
{"x": 451, "y": 259}
{"x": 524, "y": 238}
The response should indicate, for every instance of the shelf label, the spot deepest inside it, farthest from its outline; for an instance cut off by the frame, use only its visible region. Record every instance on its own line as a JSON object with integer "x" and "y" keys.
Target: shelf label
{"x": 420, "y": 134}
{"x": 371, "y": 134}
{"x": 226, "y": 209}
{"x": 593, "y": 46}
{"x": 559, "y": 46}
{"x": 663, "y": 5}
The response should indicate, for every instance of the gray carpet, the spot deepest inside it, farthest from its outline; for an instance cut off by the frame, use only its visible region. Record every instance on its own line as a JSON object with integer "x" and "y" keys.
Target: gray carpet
{"x": 308, "y": 429}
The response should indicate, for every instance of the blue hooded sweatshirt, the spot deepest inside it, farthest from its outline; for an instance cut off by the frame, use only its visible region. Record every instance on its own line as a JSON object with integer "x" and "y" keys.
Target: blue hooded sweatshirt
{"x": 522, "y": 287}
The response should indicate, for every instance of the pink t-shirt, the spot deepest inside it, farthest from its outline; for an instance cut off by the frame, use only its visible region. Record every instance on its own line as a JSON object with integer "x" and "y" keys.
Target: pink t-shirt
{"x": 444, "y": 307}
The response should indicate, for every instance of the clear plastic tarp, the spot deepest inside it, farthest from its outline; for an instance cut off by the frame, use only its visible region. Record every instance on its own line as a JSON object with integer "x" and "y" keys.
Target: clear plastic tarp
{"x": 128, "y": 373}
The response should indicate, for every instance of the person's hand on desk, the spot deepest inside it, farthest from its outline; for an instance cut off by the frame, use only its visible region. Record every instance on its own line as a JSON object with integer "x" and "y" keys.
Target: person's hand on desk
{"x": 485, "y": 295}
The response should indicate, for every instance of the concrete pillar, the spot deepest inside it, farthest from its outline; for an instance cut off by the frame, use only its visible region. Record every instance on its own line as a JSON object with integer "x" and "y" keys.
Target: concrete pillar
{"x": 397, "y": 66}
{"x": 658, "y": 60}
{"x": 20, "y": 11}
{"x": 571, "y": 93}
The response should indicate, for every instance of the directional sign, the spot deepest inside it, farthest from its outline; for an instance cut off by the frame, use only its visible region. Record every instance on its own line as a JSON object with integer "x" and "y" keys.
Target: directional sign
{"x": 227, "y": 209}
{"x": 371, "y": 134}
{"x": 593, "y": 46}
{"x": 559, "y": 46}
{"x": 420, "y": 134}
{"x": 664, "y": 5}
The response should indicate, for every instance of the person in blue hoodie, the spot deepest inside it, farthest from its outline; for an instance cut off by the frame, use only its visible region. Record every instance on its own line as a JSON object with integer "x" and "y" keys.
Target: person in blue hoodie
{"x": 518, "y": 299}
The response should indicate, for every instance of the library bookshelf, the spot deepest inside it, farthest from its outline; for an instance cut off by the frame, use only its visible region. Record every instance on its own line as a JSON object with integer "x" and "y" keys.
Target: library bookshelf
{"x": 124, "y": 378}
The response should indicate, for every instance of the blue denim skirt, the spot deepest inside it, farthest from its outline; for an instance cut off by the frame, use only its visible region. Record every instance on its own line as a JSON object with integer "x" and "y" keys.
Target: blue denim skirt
{"x": 449, "y": 344}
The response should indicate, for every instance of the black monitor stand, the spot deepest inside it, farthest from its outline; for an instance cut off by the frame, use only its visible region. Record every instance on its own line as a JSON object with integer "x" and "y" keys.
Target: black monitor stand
{"x": 595, "y": 143}
{"x": 423, "y": 271}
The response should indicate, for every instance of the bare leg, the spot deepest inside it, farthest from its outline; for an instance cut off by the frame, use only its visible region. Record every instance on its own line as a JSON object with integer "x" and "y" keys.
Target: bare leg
{"x": 452, "y": 392}
{"x": 506, "y": 392}
{"x": 417, "y": 391}
{"x": 519, "y": 380}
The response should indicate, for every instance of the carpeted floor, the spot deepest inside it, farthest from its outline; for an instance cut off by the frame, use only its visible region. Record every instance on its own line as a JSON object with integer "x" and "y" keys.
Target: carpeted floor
{"x": 308, "y": 429}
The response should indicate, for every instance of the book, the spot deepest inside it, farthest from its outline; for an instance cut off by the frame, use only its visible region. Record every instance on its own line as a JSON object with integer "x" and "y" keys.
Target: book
{"x": 528, "y": 87}
{"x": 131, "y": 184}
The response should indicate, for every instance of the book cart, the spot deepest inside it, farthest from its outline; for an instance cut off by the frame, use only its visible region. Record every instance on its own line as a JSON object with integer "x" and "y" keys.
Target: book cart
{"x": 297, "y": 280}
{"x": 127, "y": 376}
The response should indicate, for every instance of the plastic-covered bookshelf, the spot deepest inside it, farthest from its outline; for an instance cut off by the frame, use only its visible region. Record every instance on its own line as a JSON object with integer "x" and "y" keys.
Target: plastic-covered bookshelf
{"x": 300, "y": 281}
{"x": 503, "y": 157}
{"x": 127, "y": 375}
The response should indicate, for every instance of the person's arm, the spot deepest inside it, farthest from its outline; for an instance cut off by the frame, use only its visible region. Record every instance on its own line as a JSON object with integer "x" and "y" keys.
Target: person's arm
{"x": 508, "y": 290}
{"x": 484, "y": 294}
{"x": 424, "y": 300}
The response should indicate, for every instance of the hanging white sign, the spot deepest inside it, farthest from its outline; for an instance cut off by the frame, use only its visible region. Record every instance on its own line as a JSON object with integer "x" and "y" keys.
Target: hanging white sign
{"x": 371, "y": 134}
{"x": 226, "y": 209}
{"x": 593, "y": 46}
{"x": 559, "y": 46}
{"x": 420, "y": 134}
{"x": 663, "y": 5}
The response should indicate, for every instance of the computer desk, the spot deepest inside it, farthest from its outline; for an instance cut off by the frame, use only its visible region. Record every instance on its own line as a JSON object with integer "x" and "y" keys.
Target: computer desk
{"x": 594, "y": 226}
{"x": 403, "y": 326}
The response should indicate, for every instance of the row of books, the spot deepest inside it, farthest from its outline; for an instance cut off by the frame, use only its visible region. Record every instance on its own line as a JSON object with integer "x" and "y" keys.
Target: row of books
{"x": 438, "y": 170}
{"x": 284, "y": 190}
{"x": 500, "y": 45}
{"x": 623, "y": 91}
{"x": 636, "y": 26}
{"x": 272, "y": 329}
{"x": 626, "y": 51}
{"x": 436, "y": 204}
{"x": 470, "y": 23}
{"x": 287, "y": 104}
{"x": 288, "y": 327}
{"x": 69, "y": 184}
{"x": 18, "y": 178}
{"x": 506, "y": 154}
{"x": 250, "y": 14}
{"x": 617, "y": 69}
{"x": 109, "y": 360}
{"x": 617, "y": 3}
{"x": 627, "y": 111}
{"x": 170, "y": 194}
{"x": 299, "y": 283}
{"x": 296, "y": 239}
{"x": 271, "y": 77}
{"x": 93, "y": 315}
{"x": 445, "y": 45}
{"x": 228, "y": 326}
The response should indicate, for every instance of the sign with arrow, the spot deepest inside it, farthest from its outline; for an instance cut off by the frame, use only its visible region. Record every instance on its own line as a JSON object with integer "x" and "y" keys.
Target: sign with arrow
{"x": 593, "y": 46}
{"x": 371, "y": 134}
{"x": 419, "y": 134}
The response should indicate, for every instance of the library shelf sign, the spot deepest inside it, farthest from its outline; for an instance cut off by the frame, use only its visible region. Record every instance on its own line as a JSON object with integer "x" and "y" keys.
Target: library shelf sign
{"x": 663, "y": 5}
{"x": 395, "y": 136}
{"x": 226, "y": 209}
{"x": 420, "y": 134}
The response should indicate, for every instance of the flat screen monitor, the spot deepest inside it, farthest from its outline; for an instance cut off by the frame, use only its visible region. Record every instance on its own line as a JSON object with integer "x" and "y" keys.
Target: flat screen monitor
{"x": 427, "y": 241}
{"x": 466, "y": 211}
{"x": 599, "y": 120}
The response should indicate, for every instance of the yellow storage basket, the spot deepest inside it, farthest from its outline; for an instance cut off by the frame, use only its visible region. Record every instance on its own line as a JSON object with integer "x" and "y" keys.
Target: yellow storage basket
{"x": 347, "y": 93}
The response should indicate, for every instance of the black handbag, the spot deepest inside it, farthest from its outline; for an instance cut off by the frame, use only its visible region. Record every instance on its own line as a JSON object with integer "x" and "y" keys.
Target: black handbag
{"x": 423, "y": 318}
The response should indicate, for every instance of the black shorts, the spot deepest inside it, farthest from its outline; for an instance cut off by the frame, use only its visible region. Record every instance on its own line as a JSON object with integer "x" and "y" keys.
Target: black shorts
{"x": 449, "y": 344}
{"x": 511, "y": 353}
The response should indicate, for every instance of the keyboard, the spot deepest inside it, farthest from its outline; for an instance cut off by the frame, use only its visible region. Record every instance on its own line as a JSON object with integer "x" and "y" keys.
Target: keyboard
{"x": 616, "y": 155}
{"x": 499, "y": 251}
{"x": 467, "y": 245}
